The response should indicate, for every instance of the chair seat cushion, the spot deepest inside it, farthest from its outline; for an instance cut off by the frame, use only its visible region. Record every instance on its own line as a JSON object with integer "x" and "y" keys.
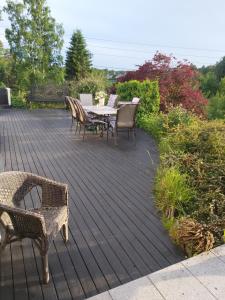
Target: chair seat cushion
{"x": 54, "y": 218}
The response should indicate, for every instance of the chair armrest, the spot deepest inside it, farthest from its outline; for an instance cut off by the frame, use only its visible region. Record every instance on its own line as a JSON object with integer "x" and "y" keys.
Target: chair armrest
{"x": 25, "y": 223}
{"x": 53, "y": 193}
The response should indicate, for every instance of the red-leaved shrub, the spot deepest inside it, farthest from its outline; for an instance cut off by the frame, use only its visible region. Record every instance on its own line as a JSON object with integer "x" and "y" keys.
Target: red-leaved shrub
{"x": 178, "y": 82}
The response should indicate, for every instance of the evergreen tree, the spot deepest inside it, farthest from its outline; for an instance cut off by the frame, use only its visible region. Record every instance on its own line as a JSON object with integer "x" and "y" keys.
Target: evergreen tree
{"x": 78, "y": 58}
{"x": 35, "y": 41}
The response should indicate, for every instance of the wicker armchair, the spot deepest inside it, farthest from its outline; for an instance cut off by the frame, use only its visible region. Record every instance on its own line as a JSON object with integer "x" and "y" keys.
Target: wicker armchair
{"x": 40, "y": 224}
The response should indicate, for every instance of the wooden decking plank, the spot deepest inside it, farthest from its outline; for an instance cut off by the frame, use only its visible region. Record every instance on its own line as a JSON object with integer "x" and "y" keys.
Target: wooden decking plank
{"x": 61, "y": 285}
{"x": 137, "y": 258}
{"x": 160, "y": 259}
{"x": 152, "y": 224}
{"x": 45, "y": 175}
{"x": 115, "y": 233}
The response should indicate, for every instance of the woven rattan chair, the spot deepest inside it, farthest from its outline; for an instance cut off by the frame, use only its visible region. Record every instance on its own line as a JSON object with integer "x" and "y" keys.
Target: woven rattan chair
{"x": 40, "y": 224}
{"x": 125, "y": 120}
{"x": 87, "y": 121}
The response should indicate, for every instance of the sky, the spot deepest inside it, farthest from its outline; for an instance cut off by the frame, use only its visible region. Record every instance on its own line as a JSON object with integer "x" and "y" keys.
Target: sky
{"x": 122, "y": 34}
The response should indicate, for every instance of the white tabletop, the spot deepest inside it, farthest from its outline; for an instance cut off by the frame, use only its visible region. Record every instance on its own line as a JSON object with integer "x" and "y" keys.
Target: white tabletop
{"x": 101, "y": 110}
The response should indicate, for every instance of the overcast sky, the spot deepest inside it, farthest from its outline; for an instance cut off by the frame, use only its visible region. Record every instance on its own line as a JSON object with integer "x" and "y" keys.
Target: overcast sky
{"x": 124, "y": 33}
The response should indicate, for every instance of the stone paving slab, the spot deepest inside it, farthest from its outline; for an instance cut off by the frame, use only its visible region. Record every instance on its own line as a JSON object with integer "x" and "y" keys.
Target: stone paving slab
{"x": 199, "y": 277}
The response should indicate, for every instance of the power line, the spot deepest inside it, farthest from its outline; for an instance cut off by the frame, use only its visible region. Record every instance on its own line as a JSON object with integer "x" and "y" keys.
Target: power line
{"x": 156, "y": 45}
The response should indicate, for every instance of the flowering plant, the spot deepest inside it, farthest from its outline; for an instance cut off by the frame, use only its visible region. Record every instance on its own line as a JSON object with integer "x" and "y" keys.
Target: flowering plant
{"x": 100, "y": 97}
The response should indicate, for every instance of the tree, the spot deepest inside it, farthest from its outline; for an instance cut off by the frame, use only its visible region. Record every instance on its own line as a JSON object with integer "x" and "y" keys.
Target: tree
{"x": 209, "y": 84}
{"x": 220, "y": 68}
{"x": 78, "y": 58}
{"x": 35, "y": 41}
{"x": 178, "y": 82}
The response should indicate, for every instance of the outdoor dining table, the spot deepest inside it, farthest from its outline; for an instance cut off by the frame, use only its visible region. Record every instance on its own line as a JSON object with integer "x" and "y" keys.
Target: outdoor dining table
{"x": 101, "y": 110}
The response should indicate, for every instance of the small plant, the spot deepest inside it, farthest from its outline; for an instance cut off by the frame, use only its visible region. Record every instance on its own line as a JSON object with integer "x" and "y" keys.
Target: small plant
{"x": 172, "y": 192}
{"x": 192, "y": 236}
{"x": 100, "y": 97}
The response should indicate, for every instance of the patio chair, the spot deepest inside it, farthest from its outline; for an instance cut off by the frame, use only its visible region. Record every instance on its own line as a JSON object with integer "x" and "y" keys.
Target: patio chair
{"x": 86, "y": 99}
{"x": 72, "y": 108}
{"x": 125, "y": 120}
{"x": 40, "y": 224}
{"x": 112, "y": 100}
{"x": 135, "y": 100}
{"x": 86, "y": 120}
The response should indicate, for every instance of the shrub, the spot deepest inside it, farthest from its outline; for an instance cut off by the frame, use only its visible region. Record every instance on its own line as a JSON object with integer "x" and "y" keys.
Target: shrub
{"x": 192, "y": 236}
{"x": 158, "y": 124}
{"x": 92, "y": 84}
{"x": 216, "y": 107}
{"x": 178, "y": 82}
{"x": 147, "y": 91}
{"x": 172, "y": 192}
{"x": 19, "y": 100}
{"x": 154, "y": 124}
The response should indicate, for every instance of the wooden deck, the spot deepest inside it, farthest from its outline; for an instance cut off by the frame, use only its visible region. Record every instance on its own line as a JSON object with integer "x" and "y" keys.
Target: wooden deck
{"x": 115, "y": 235}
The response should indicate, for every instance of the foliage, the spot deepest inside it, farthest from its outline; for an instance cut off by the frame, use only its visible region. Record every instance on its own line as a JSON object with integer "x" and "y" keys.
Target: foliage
{"x": 172, "y": 192}
{"x": 209, "y": 84}
{"x": 53, "y": 105}
{"x": 190, "y": 183}
{"x": 158, "y": 125}
{"x": 35, "y": 41}
{"x": 147, "y": 91}
{"x": 91, "y": 84}
{"x": 216, "y": 107}
{"x": 18, "y": 101}
{"x": 78, "y": 58}
{"x": 192, "y": 236}
{"x": 100, "y": 97}
{"x": 153, "y": 124}
{"x": 220, "y": 69}
{"x": 6, "y": 66}
{"x": 178, "y": 82}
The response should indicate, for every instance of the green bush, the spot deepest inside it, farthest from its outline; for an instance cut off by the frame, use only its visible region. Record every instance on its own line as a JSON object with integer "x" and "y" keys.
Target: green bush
{"x": 154, "y": 124}
{"x": 197, "y": 150}
{"x": 19, "y": 100}
{"x": 147, "y": 91}
{"x": 216, "y": 107}
{"x": 159, "y": 124}
{"x": 92, "y": 84}
{"x": 172, "y": 192}
{"x": 129, "y": 89}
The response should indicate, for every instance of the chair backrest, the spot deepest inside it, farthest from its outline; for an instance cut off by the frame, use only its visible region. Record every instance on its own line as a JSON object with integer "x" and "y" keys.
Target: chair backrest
{"x": 112, "y": 100}
{"x": 86, "y": 99}
{"x": 135, "y": 100}
{"x": 81, "y": 113}
{"x": 126, "y": 116}
{"x": 71, "y": 105}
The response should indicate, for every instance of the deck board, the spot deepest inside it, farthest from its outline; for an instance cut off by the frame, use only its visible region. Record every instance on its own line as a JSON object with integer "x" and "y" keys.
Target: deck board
{"x": 115, "y": 234}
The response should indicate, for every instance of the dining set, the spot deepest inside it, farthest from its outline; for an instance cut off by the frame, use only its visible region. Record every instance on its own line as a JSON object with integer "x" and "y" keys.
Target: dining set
{"x": 114, "y": 117}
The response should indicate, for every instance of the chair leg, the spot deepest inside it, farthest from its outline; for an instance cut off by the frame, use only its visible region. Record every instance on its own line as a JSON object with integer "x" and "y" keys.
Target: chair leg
{"x": 45, "y": 268}
{"x": 79, "y": 128}
{"x": 84, "y": 132}
{"x": 115, "y": 137}
{"x": 76, "y": 127}
{"x": 65, "y": 232}
{"x": 4, "y": 240}
{"x": 128, "y": 133}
